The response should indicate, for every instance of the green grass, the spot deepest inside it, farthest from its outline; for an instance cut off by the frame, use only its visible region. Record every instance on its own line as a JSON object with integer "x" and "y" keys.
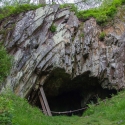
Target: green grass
{"x": 102, "y": 14}
{"x": 14, "y": 10}
{"x": 81, "y": 35}
{"x": 24, "y": 114}
{"x": 108, "y": 112}
{"x": 102, "y": 36}
{"x": 5, "y": 63}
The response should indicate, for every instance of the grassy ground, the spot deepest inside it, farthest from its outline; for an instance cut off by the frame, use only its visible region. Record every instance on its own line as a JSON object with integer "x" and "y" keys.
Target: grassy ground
{"x": 108, "y": 112}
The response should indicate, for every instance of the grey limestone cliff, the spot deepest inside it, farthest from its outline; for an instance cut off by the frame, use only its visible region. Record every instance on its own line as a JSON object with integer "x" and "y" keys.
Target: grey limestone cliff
{"x": 75, "y": 46}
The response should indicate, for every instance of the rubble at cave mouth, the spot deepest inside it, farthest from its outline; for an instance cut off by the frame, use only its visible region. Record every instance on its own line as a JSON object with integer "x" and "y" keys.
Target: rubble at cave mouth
{"x": 64, "y": 94}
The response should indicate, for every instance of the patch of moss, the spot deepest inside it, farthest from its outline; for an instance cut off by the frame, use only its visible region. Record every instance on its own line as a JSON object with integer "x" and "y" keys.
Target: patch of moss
{"x": 5, "y": 31}
{"x": 53, "y": 28}
{"x": 81, "y": 35}
{"x": 2, "y": 31}
{"x": 102, "y": 36}
{"x": 73, "y": 38}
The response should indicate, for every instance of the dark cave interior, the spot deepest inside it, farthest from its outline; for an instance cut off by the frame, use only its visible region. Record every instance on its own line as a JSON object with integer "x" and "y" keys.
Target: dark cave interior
{"x": 64, "y": 94}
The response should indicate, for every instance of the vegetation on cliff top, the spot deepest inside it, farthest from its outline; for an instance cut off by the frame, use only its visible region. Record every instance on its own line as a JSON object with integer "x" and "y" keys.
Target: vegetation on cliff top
{"x": 15, "y": 110}
{"x": 103, "y": 13}
{"x": 14, "y": 10}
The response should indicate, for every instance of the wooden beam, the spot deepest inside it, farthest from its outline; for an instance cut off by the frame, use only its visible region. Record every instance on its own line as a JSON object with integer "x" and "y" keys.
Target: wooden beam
{"x": 42, "y": 104}
{"x": 43, "y": 79}
{"x": 45, "y": 101}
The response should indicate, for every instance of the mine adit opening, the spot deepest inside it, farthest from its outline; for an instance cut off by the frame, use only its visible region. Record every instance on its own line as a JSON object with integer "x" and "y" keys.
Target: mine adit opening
{"x": 64, "y": 94}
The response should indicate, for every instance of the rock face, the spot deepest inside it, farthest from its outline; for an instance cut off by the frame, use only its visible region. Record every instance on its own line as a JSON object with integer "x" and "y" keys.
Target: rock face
{"x": 75, "y": 47}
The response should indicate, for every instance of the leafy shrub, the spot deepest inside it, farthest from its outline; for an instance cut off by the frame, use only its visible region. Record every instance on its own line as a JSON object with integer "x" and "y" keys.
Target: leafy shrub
{"x": 53, "y": 28}
{"x": 13, "y": 10}
{"x": 5, "y": 63}
{"x": 91, "y": 109}
{"x": 123, "y": 1}
{"x": 6, "y": 110}
{"x": 102, "y": 14}
{"x": 102, "y": 36}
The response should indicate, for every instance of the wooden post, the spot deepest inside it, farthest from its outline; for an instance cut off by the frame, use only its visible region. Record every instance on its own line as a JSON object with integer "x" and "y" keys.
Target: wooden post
{"x": 42, "y": 104}
{"x": 45, "y": 101}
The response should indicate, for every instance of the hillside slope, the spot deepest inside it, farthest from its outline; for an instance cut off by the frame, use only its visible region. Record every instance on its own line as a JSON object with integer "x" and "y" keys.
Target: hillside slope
{"x": 108, "y": 112}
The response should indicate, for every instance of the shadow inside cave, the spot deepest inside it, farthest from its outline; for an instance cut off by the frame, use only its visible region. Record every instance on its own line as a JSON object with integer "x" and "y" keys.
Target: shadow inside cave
{"x": 66, "y": 95}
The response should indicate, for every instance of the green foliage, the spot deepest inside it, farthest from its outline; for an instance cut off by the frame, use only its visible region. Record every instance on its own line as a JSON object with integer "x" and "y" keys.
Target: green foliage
{"x": 24, "y": 114}
{"x": 109, "y": 111}
{"x": 82, "y": 35}
{"x": 102, "y": 36}
{"x": 53, "y": 28}
{"x": 19, "y": 112}
{"x": 123, "y": 1}
{"x": 64, "y": 5}
{"x": 6, "y": 109}
{"x": 103, "y": 13}
{"x": 5, "y": 31}
{"x": 13, "y": 10}
{"x": 5, "y": 63}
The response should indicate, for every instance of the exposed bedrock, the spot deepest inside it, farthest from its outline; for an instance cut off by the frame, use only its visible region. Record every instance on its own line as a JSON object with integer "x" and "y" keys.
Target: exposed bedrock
{"x": 74, "y": 47}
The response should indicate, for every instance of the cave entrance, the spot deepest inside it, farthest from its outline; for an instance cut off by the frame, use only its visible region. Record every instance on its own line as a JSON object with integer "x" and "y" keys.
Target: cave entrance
{"x": 69, "y": 97}
{"x": 68, "y": 103}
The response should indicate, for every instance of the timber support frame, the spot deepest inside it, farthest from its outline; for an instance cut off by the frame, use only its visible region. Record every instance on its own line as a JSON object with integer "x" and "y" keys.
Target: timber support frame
{"x": 44, "y": 102}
